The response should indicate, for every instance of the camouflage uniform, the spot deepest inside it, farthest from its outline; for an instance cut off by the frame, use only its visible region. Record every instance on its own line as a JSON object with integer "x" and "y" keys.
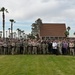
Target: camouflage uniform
{"x": 39, "y": 48}
{"x": 1, "y": 47}
{"x": 18, "y": 47}
{"x": 29, "y": 50}
{"x": 71, "y": 46}
{"x": 25, "y": 45}
{"x": 21, "y": 46}
{"x": 4, "y": 48}
{"x": 13, "y": 48}
{"x": 44, "y": 48}
{"x": 9, "y": 47}
{"x": 34, "y": 50}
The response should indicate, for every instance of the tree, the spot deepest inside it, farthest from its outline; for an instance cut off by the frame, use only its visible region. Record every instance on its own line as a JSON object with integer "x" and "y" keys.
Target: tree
{"x": 14, "y": 34}
{"x": 66, "y": 33}
{"x": 22, "y": 33}
{"x": 0, "y": 34}
{"x": 38, "y": 21}
{"x": 19, "y": 32}
{"x": 12, "y": 21}
{"x": 6, "y": 34}
{"x": 31, "y": 36}
{"x": 36, "y": 27}
{"x": 9, "y": 32}
{"x": 68, "y": 28}
{"x": 3, "y": 16}
{"x": 74, "y": 33}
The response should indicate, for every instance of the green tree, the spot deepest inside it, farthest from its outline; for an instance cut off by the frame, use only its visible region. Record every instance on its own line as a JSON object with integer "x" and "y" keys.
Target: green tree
{"x": 66, "y": 33}
{"x": 14, "y": 34}
{"x": 68, "y": 28}
{"x": 31, "y": 36}
{"x": 22, "y": 33}
{"x": 38, "y": 21}
{"x": 74, "y": 33}
{"x": 19, "y": 32}
{"x": 6, "y": 34}
{"x": 36, "y": 27}
{"x": 12, "y": 21}
{"x": 9, "y": 32}
{"x": 3, "y": 16}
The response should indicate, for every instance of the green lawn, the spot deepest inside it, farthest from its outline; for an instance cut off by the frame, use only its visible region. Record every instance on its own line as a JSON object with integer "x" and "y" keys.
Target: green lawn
{"x": 37, "y": 65}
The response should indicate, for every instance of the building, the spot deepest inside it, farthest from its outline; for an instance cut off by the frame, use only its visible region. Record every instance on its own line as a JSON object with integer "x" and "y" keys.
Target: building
{"x": 49, "y": 30}
{"x": 52, "y": 30}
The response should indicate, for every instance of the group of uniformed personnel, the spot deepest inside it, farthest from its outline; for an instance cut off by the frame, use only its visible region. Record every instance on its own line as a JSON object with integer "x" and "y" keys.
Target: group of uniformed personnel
{"x": 33, "y": 46}
{"x": 22, "y": 47}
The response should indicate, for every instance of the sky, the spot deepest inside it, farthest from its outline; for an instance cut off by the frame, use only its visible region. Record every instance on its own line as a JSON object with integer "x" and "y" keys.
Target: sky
{"x": 26, "y": 12}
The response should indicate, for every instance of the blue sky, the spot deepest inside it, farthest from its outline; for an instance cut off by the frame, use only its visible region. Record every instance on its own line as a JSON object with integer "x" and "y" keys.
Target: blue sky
{"x": 25, "y": 12}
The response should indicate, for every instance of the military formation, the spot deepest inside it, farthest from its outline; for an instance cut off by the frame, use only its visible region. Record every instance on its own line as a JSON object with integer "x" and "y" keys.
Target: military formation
{"x": 33, "y": 46}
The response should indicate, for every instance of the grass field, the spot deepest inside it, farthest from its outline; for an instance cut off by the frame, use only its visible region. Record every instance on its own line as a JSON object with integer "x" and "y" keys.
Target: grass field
{"x": 37, "y": 65}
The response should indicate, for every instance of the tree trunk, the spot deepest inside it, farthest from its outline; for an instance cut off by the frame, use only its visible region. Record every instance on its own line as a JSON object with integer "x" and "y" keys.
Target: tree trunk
{"x": 11, "y": 30}
{"x": 3, "y": 26}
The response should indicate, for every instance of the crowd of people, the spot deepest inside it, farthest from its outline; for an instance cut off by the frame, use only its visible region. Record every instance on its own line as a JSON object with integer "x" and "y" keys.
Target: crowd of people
{"x": 33, "y": 46}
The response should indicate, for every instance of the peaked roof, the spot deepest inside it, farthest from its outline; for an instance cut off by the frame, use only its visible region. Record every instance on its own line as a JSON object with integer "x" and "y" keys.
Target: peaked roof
{"x": 52, "y": 30}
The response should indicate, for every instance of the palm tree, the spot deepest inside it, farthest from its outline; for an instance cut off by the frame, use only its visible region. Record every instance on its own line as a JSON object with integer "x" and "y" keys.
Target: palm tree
{"x": 0, "y": 34}
{"x": 12, "y": 21}
{"x": 9, "y": 32}
{"x": 74, "y": 33}
{"x": 22, "y": 33}
{"x": 14, "y": 34}
{"x": 6, "y": 34}
{"x": 68, "y": 28}
{"x": 19, "y": 31}
{"x": 66, "y": 33}
{"x": 3, "y": 16}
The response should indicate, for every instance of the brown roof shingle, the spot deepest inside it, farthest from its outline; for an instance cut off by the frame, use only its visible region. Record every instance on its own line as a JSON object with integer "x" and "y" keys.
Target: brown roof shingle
{"x": 52, "y": 29}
